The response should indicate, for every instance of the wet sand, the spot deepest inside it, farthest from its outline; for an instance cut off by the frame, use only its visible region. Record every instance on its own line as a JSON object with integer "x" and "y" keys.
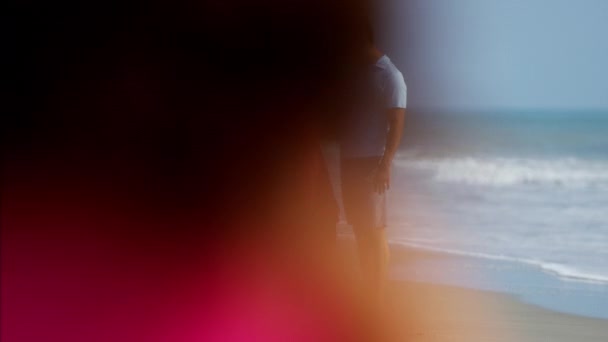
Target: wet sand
{"x": 418, "y": 311}
{"x": 426, "y": 312}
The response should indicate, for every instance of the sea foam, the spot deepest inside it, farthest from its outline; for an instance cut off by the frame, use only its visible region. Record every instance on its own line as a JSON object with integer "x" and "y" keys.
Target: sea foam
{"x": 563, "y": 271}
{"x": 502, "y": 171}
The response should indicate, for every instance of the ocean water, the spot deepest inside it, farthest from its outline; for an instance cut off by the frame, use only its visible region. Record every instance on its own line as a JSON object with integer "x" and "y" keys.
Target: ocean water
{"x": 521, "y": 198}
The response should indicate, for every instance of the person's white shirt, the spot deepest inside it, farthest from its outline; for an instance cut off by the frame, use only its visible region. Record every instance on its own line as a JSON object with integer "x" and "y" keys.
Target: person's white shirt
{"x": 366, "y": 127}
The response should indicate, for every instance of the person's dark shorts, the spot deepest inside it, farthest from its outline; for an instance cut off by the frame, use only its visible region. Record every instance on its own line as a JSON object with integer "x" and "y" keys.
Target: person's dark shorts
{"x": 364, "y": 207}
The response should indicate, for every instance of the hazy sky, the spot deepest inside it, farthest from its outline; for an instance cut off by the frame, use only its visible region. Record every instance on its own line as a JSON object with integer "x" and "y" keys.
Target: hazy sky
{"x": 500, "y": 53}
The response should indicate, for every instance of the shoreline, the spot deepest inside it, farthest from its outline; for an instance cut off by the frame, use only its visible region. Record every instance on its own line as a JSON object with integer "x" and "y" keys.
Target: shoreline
{"x": 525, "y": 282}
{"x": 432, "y": 311}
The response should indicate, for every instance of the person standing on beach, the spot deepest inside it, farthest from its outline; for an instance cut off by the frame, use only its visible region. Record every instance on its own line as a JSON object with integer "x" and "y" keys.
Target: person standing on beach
{"x": 371, "y": 136}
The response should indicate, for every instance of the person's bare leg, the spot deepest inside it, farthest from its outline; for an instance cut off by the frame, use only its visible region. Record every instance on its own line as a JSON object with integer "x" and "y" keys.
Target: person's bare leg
{"x": 379, "y": 249}
{"x": 373, "y": 257}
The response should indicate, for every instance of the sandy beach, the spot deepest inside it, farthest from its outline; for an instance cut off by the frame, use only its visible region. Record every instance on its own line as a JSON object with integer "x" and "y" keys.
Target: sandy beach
{"x": 418, "y": 311}
{"x": 427, "y": 312}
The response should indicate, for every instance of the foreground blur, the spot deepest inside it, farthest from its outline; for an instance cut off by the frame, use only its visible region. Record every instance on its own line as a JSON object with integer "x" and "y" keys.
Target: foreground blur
{"x": 163, "y": 179}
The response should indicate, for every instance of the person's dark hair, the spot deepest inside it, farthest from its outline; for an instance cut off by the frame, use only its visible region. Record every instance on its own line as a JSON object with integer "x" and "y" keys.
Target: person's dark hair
{"x": 369, "y": 32}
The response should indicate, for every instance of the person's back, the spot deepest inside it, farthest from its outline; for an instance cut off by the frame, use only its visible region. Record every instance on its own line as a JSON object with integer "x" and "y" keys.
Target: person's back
{"x": 365, "y": 131}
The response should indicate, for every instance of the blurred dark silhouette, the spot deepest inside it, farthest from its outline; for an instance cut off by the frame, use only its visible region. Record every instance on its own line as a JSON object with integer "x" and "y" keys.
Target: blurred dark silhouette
{"x": 161, "y": 156}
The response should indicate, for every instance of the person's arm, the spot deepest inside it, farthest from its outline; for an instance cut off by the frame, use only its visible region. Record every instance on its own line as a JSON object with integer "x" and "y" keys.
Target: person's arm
{"x": 396, "y": 119}
{"x": 396, "y": 101}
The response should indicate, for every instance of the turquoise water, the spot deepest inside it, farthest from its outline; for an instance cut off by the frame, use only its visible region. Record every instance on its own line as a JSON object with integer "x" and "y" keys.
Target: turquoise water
{"x": 540, "y": 134}
{"x": 524, "y": 193}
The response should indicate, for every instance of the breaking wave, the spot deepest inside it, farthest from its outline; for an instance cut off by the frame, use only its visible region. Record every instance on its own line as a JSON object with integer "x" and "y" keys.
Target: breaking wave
{"x": 512, "y": 171}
